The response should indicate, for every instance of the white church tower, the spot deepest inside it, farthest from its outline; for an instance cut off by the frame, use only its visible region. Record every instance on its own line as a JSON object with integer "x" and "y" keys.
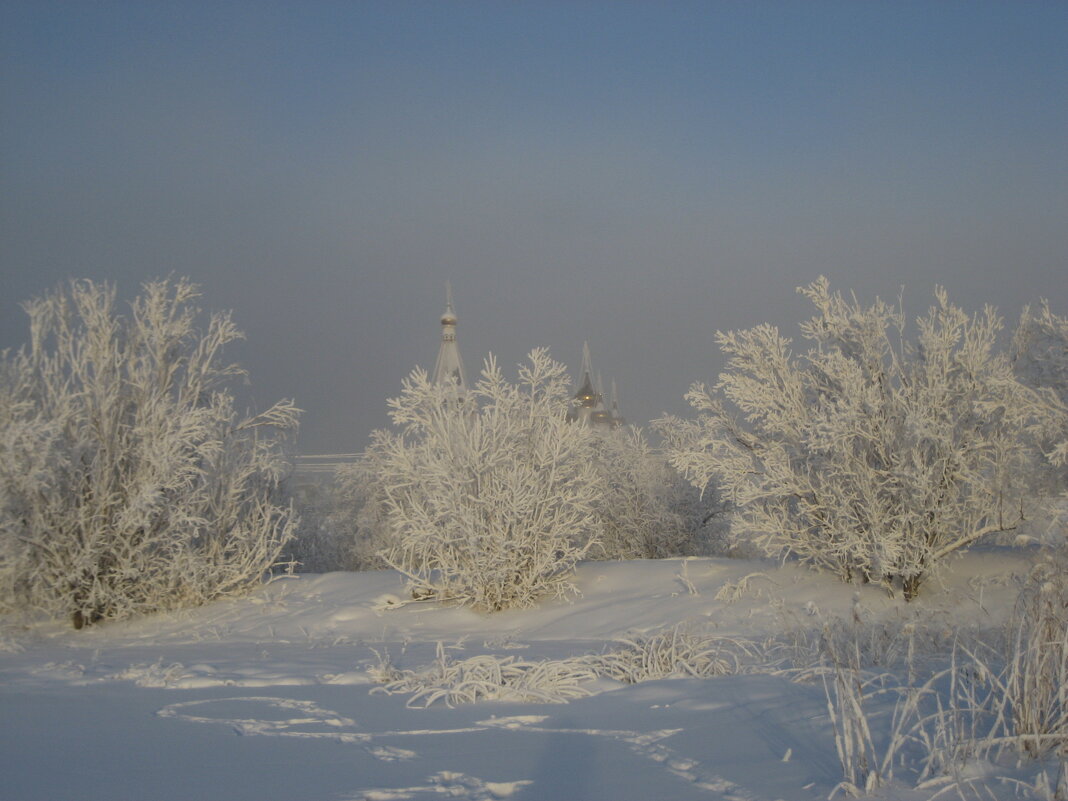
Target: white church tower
{"x": 449, "y": 367}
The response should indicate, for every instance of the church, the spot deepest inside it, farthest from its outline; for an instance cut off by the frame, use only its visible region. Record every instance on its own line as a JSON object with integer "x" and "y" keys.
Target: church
{"x": 589, "y": 404}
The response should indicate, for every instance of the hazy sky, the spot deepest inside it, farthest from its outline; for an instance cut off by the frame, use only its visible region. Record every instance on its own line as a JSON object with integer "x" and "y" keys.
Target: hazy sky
{"x": 634, "y": 174}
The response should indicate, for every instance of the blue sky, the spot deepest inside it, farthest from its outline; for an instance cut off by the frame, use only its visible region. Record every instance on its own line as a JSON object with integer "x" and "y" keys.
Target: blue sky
{"x": 634, "y": 174}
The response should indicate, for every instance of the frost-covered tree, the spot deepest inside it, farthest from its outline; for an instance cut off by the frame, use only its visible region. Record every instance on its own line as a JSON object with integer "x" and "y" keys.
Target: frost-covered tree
{"x": 342, "y": 522}
{"x": 866, "y": 454}
{"x": 639, "y": 510}
{"x": 1040, "y": 355}
{"x": 356, "y": 517}
{"x": 488, "y": 499}
{"x": 317, "y": 546}
{"x": 706, "y": 518}
{"x": 128, "y": 482}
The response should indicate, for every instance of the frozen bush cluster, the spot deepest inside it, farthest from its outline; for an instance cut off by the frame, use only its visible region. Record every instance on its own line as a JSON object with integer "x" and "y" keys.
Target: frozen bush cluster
{"x": 1040, "y": 354}
{"x": 490, "y": 678}
{"x": 668, "y": 652}
{"x": 128, "y": 482}
{"x": 358, "y": 515}
{"x": 318, "y": 546}
{"x": 867, "y": 454}
{"x": 641, "y": 510}
{"x": 488, "y": 498}
{"x": 673, "y": 652}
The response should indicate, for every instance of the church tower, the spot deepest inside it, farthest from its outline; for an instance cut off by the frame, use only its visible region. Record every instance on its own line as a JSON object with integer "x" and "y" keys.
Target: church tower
{"x": 449, "y": 367}
{"x": 600, "y": 415}
{"x": 617, "y": 417}
{"x": 587, "y": 404}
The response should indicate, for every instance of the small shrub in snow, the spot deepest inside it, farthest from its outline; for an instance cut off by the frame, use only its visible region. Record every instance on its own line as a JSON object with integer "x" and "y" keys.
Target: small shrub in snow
{"x": 128, "y": 482}
{"x": 491, "y": 678}
{"x": 867, "y": 455}
{"x": 732, "y": 591}
{"x": 672, "y": 652}
{"x": 490, "y": 499}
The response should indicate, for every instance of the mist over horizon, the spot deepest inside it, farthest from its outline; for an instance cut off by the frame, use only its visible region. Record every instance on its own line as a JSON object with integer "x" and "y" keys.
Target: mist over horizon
{"x": 635, "y": 176}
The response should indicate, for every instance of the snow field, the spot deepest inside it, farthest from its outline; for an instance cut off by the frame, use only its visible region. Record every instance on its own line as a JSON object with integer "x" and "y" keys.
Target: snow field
{"x": 272, "y": 696}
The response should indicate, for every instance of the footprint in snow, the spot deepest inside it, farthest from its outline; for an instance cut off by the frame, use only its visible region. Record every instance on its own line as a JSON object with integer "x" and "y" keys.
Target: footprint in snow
{"x": 289, "y": 717}
{"x": 447, "y": 783}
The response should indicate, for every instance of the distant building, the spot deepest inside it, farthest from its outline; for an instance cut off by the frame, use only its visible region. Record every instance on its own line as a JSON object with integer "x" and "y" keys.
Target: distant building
{"x": 589, "y": 405}
{"x": 449, "y": 367}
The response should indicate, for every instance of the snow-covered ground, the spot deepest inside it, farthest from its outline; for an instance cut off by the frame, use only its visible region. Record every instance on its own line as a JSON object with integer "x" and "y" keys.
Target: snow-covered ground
{"x": 270, "y": 697}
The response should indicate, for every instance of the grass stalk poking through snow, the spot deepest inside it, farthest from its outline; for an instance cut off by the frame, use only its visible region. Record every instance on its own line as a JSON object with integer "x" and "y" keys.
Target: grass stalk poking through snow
{"x": 488, "y": 677}
{"x": 672, "y": 652}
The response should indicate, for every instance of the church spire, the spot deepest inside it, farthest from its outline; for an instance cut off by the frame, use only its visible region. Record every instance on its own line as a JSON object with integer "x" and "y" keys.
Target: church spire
{"x": 449, "y": 367}
{"x": 600, "y": 415}
{"x": 617, "y": 418}
{"x": 587, "y": 403}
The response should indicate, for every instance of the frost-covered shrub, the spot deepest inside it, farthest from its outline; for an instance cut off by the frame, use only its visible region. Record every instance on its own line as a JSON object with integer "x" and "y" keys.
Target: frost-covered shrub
{"x": 1040, "y": 356}
{"x": 487, "y": 499}
{"x": 639, "y": 510}
{"x": 490, "y": 678}
{"x": 128, "y": 483}
{"x": 358, "y": 517}
{"x": 342, "y": 525}
{"x": 644, "y": 509}
{"x": 318, "y": 545}
{"x": 669, "y": 652}
{"x": 866, "y": 454}
{"x": 703, "y": 515}
{"x": 673, "y": 652}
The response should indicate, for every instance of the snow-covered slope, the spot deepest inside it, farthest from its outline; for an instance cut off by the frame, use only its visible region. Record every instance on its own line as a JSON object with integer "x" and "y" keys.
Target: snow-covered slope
{"x": 269, "y": 697}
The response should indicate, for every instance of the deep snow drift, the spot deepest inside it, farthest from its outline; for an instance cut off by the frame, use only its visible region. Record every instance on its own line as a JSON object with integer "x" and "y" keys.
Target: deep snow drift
{"x": 270, "y": 697}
